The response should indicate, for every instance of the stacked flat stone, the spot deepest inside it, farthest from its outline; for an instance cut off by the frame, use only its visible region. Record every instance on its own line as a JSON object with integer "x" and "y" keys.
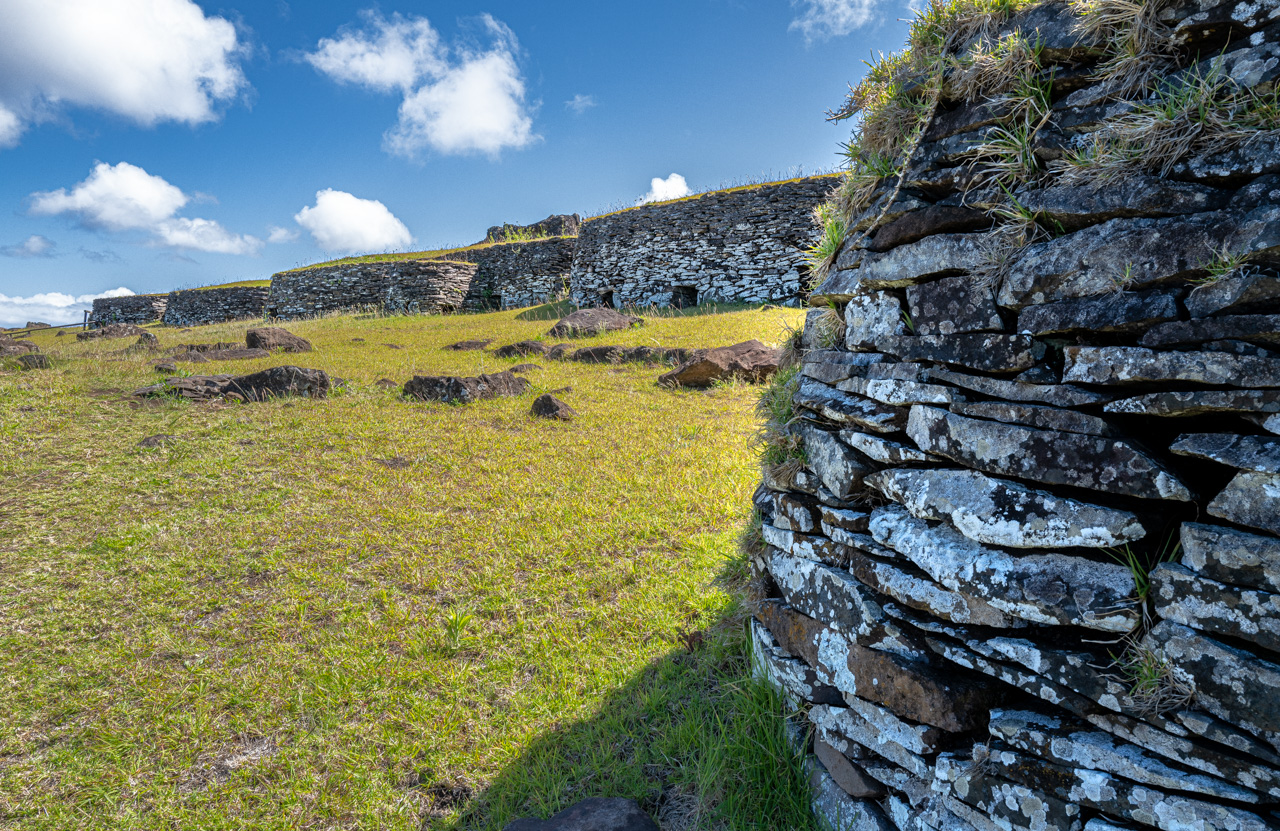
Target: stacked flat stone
{"x": 946, "y": 601}
{"x": 198, "y": 307}
{"x": 743, "y": 246}
{"x": 405, "y": 286}
{"x": 518, "y": 274}
{"x": 135, "y": 308}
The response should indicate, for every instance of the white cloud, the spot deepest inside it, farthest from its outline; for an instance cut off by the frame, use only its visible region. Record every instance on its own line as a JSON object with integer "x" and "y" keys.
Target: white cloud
{"x": 821, "y": 19}
{"x": 147, "y": 60}
{"x": 672, "y": 187}
{"x": 580, "y": 103}
{"x": 50, "y": 307}
{"x": 277, "y": 234}
{"x": 456, "y": 100}
{"x": 342, "y": 222}
{"x": 124, "y": 197}
{"x": 33, "y": 246}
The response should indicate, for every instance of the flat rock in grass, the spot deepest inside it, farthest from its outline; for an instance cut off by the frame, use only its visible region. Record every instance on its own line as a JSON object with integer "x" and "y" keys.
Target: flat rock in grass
{"x": 598, "y": 355}
{"x": 559, "y": 352}
{"x": 459, "y": 390}
{"x": 278, "y": 381}
{"x": 852, "y": 779}
{"x": 1067, "y": 742}
{"x": 470, "y": 345}
{"x": 1185, "y": 403}
{"x": 1112, "y": 365}
{"x": 521, "y": 348}
{"x": 1092, "y": 261}
{"x": 1251, "y": 499}
{"x": 587, "y": 322}
{"x": 952, "y": 305}
{"x": 748, "y": 361}
{"x": 871, "y": 316}
{"x": 1078, "y": 206}
{"x": 830, "y": 366}
{"x": 1051, "y": 589}
{"x": 928, "y": 221}
{"x": 159, "y": 440}
{"x": 1056, "y": 395}
{"x": 275, "y": 339}
{"x": 1051, "y": 457}
{"x": 34, "y": 360}
{"x": 882, "y": 450}
{"x": 234, "y": 354}
{"x": 846, "y": 409}
{"x": 900, "y": 393}
{"x": 1251, "y": 328}
{"x": 1230, "y": 683}
{"x": 656, "y": 354}
{"x": 595, "y": 814}
{"x": 548, "y": 406}
{"x": 112, "y": 331}
{"x": 1216, "y": 608}
{"x": 1260, "y": 454}
{"x": 1116, "y": 312}
{"x": 1036, "y": 415}
{"x": 998, "y": 512}
{"x": 985, "y": 353}
{"x": 797, "y": 680}
{"x": 1237, "y": 293}
{"x": 1228, "y": 555}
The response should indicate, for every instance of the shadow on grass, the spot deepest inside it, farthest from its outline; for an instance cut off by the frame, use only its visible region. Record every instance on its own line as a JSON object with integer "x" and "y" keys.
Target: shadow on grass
{"x": 692, "y": 737}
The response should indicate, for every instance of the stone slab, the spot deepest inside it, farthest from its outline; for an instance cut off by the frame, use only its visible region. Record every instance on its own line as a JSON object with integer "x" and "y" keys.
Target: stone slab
{"x": 846, "y": 409}
{"x": 1228, "y": 555}
{"x": 868, "y": 317}
{"x": 1111, "y": 365}
{"x": 1184, "y": 403}
{"x": 852, "y": 779}
{"x": 1257, "y": 453}
{"x": 1216, "y": 608}
{"x": 1247, "y": 292}
{"x": 900, "y": 393}
{"x": 840, "y": 468}
{"x": 830, "y": 366}
{"x": 952, "y": 305}
{"x": 982, "y": 352}
{"x": 1251, "y": 328}
{"x": 1251, "y": 499}
{"x": 882, "y": 450}
{"x": 1116, "y": 312}
{"x": 1038, "y": 416}
{"x": 797, "y": 681}
{"x": 1056, "y": 395}
{"x": 924, "y": 594}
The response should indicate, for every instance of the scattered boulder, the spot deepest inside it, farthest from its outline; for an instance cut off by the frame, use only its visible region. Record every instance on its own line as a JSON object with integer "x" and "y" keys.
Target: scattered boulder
{"x": 167, "y": 367}
{"x": 587, "y": 322}
{"x": 548, "y": 406}
{"x": 518, "y": 368}
{"x": 750, "y": 361}
{"x": 469, "y": 345}
{"x": 385, "y": 383}
{"x": 278, "y": 381}
{"x": 595, "y": 814}
{"x": 273, "y": 339}
{"x": 34, "y": 360}
{"x": 10, "y": 347}
{"x": 457, "y": 390}
{"x": 112, "y": 331}
{"x": 521, "y": 349}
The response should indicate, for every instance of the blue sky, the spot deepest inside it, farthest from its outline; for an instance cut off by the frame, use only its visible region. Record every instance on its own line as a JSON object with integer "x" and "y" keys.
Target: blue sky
{"x": 149, "y": 145}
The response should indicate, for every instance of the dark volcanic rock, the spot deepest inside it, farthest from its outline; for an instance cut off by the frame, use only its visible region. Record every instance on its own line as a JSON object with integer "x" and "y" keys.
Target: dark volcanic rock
{"x": 275, "y": 339}
{"x": 1135, "y": 365}
{"x": 900, "y": 392}
{"x": 928, "y": 221}
{"x": 1246, "y": 292}
{"x": 1190, "y": 403}
{"x": 278, "y": 381}
{"x": 521, "y": 349}
{"x": 852, "y": 779}
{"x": 952, "y": 305}
{"x": 1251, "y": 499}
{"x": 1051, "y": 457}
{"x": 1231, "y": 556}
{"x": 1257, "y": 453}
{"x": 34, "y": 360}
{"x": 1057, "y": 395}
{"x": 797, "y": 679}
{"x": 871, "y": 316}
{"x": 844, "y": 408}
{"x": 750, "y": 361}
{"x": 598, "y": 355}
{"x": 1078, "y": 206}
{"x": 1216, "y": 608}
{"x": 1120, "y": 312}
{"x": 1252, "y": 158}
{"x": 469, "y": 345}
{"x": 1036, "y": 415}
{"x": 113, "y": 330}
{"x": 595, "y": 814}
{"x": 586, "y": 322}
{"x": 830, "y": 366}
{"x": 158, "y": 440}
{"x": 450, "y": 389}
{"x": 221, "y": 355}
{"x": 985, "y": 353}
{"x": 548, "y": 406}
{"x": 1260, "y": 328}
{"x": 905, "y": 265}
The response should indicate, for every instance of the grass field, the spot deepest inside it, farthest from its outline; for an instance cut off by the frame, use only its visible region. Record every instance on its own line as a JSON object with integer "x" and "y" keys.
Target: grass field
{"x": 368, "y": 613}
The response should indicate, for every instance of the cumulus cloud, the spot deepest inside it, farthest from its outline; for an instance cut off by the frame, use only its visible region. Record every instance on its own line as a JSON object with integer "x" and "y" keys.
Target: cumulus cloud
{"x": 672, "y": 187}
{"x": 580, "y": 103}
{"x": 50, "y": 307}
{"x": 345, "y": 223}
{"x": 277, "y": 234}
{"x": 821, "y": 19}
{"x": 124, "y": 197}
{"x": 33, "y": 246}
{"x": 461, "y": 99}
{"x": 147, "y": 60}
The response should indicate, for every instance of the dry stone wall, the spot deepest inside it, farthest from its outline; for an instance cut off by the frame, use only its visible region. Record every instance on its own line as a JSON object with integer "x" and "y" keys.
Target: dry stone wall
{"x": 412, "y": 286}
{"x": 200, "y": 306}
{"x": 1023, "y": 570}
{"x": 135, "y": 308}
{"x": 744, "y": 245}
{"x": 516, "y": 274}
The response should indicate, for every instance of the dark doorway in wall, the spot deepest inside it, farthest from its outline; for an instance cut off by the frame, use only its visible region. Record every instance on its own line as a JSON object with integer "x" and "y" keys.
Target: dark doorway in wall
{"x": 606, "y": 299}
{"x": 272, "y": 313}
{"x": 684, "y": 297}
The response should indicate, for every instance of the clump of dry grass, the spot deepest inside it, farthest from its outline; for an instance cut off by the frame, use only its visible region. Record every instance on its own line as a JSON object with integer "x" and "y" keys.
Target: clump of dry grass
{"x": 1141, "y": 48}
{"x": 1155, "y": 686}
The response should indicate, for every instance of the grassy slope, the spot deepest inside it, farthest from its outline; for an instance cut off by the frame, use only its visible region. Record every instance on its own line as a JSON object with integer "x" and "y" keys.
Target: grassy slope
{"x": 261, "y": 625}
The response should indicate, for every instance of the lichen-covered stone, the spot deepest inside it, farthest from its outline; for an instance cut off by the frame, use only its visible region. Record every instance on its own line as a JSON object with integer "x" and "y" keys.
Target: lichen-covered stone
{"x": 1252, "y": 158}
{"x": 1040, "y": 416}
{"x": 1135, "y": 365}
{"x": 852, "y": 779}
{"x": 846, "y": 409}
{"x": 925, "y": 595}
{"x": 953, "y": 305}
{"x": 1184, "y": 403}
{"x": 1045, "y": 456}
{"x": 1056, "y": 395}
{"x": 1232, "y": 556}
{"x": 1216, "y": 608}
{"x": 1077, "y": 206}
{"x": 1251, "y": 499}
{"x": 840, "y": 468}
{"x": 828, "y": 594}
{"x": 906, "y": 265}
{"x": 999, "y": 512}
{"x": 840, "y": 812}
{"x": 1120, "y": 312}
{"x": 882, "y": 450}
{"x": 830, "y": 366}
{"x": 1237, "y": 293}
{"x": 899, "y": 393}
{"x": 787, "y": 511}
{"x": 985, "y": 353}
{"x": 871, "y": 316}
{"x": 928, "y": 221}
{"x": 1010, "y": 804}
{"x": 797, "y": 680}
{"x": 1253, "y": 328}
{"x": 1257, "y": 453}
{"x": 844, "y": 729}
{"x": 1196, "y": 19}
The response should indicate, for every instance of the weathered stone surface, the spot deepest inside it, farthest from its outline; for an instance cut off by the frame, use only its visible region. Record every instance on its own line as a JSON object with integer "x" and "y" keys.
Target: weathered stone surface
{"x": 985, "y": 353}
{"x": 899, "y": 393}
{"x": 1191, "y": 403}
{"x": 797, "y": 680}
{"x": 1254, "y": 65}
{"x": 1251, "y": 499}
{"x": 1197, "y": 19}
{"x": 112, "y": 331}
{"x": 1036, "y": 415}
{"x": 750, "y": 361}
{"x": 953, "y": 305}
{"x": 1229, "y": 683}
{"x": 34, "y": 360}
{"x": 843, "y": 518}
{"x": 1116, "y": 312}
{"x": 521, "y": 349}
{"x": 794, "y": 631}
{"x": 925, "y": 595}
{"x": 275, "y": 339}
{"x": 830, "y": 366}
{"x": 1077, "y": 206}
{"x": 845, "y": 409}
{"x": 1051, "y": 457}
{"x": 1010, "y": 804}
{"x": 1057, "y": 395}
{"x": 1246, "y": 292}
{"x": 882, "y": 450}
{"x": 270, "y": 383}
{"x": 1135, "y": 365}
{"x": 595, "y": 814}
{"x": 1231, "y": 556}
{"x": 587, "y": 322}
{"x": 1215, "y": 607}
{"x": 451, "y": 389}
{"x": 871, "y": 316}
{"x": 927, "y": 222}
{"x": 907, "y": 265}
{"x": 998, "y": 512}
{"x": 852, "y": 779}
{"x": 813, "y": 547}
{"x": 1257, "y": 453}
{"x": 597, "y": 355}
{"x": 1093, "y": 261}
{"x": 1253, "y": 158}
{"x": 845, "y": 730}
{"x": 233, "y": 354}
{"x": 787, "y": 511}
{"x": 1253, "y": 328}
{"x": 548, "y": 406}
{"x": 837, "y": 811}
{"x": 470, "y": 345}
{"x": 1050, "y": 589}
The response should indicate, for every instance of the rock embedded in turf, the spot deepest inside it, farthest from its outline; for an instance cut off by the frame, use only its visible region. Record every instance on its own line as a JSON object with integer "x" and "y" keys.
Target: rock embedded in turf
{"x": 233, "y": 354}
{"x": 521, "y": 349}
{"x": 112, "y": 331}
{"x": 598, "y": 355}
{"x": 587, "y": 322}
{"x": 34, "y": 360}
{"x": 595, "y": 814}
{"x": 279, "y": 381}
{"x": 158, "y": 440}
{"x": 275, "y": 339}
{"x": 465, "y": 390}
{"x": 470, "y": 345}
{"x": 548, "y": 406}
{"x": 748, "y": 361}
{"x": 519, "y": 368}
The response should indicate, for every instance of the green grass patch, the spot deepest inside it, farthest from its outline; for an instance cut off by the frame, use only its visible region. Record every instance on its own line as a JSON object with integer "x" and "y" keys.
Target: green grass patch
{"x": 369, "y": 613}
